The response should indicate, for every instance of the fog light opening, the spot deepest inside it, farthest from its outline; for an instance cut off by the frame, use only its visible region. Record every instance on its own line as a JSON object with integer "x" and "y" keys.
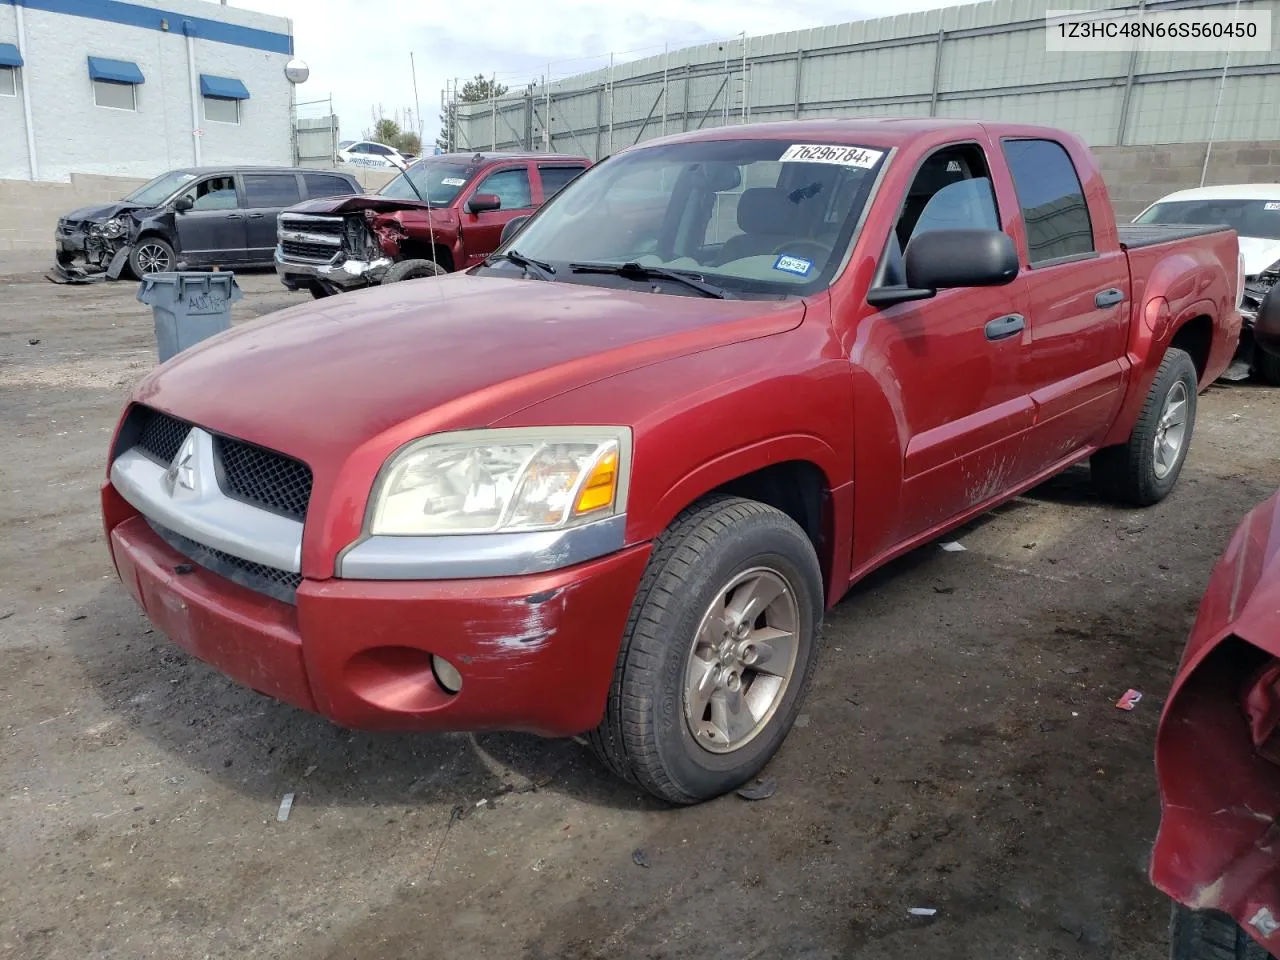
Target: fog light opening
{"x": 447, "y": 674}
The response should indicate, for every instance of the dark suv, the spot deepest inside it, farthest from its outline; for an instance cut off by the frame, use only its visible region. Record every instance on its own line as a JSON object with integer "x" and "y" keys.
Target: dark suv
{"x": 224, "y": 216}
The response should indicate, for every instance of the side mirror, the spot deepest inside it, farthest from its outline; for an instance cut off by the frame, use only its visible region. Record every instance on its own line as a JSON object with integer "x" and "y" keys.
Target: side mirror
{"x": 941, "y": 259}
{"x": 183, "y": 204}
{"x": 511, "y": 229}
{"x": 1266, "y": 329}
{"x": 481, "y": 202}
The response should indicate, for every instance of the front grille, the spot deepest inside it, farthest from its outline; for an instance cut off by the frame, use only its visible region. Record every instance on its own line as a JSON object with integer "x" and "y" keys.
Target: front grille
{"x": 162, "y": 436}
{"x": 328, "y": 226}
{"x": 271, "y": 581}
{"x": 263, "y": 478}
{"x": 252, "y": 474}
{"x": 303, "y": 250}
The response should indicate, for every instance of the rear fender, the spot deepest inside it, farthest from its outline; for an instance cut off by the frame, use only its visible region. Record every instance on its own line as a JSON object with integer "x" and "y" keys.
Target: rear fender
{"x": 1151, "y": 330}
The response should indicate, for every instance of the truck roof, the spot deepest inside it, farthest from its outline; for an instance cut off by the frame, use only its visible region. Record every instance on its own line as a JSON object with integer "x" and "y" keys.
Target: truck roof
{"x": 486, "y": 156}
{"x": 874, "y": 131}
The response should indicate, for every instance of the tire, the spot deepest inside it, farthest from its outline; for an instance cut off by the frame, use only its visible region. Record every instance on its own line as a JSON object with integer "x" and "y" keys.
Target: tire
{"x": 1132, "y": 472}
{"x": 318, "y": 292}
{"x": 413, "y": 270}
{"x": 1209, "y": 935}
{"x": 718, "y": 547}
{"x": 1267, "y": 367}
{"x": 141, "y": 260}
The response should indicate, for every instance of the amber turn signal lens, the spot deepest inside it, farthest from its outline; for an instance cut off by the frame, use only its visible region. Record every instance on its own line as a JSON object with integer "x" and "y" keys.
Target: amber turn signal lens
{"x": 601, "y": 485}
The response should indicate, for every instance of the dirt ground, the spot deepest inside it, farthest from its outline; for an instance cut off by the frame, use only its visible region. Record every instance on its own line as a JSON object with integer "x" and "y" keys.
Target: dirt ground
{"x": 960, "y": 751}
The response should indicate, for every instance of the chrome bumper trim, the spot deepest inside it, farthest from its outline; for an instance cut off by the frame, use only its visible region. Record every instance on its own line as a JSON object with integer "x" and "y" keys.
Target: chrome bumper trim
{"x": 201, "y": 511}
{"x": 476, "y": 556}
{"x": 343, "y": 273}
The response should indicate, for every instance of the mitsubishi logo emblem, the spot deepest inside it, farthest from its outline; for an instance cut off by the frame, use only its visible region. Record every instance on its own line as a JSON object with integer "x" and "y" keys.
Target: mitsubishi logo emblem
{"x": 182, "y": 472}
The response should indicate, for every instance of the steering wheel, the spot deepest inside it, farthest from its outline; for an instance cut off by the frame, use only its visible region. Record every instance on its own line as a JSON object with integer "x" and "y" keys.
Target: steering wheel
{"x": 802, "y": 248}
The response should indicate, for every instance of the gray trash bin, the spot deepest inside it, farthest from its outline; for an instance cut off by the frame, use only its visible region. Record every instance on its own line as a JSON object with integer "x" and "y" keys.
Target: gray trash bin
{"x": 188, "y": 306}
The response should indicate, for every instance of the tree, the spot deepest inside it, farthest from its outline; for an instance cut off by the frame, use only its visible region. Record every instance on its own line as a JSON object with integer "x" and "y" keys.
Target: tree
{"x": 389, "y": 131}
{"x": 478, "y": 90}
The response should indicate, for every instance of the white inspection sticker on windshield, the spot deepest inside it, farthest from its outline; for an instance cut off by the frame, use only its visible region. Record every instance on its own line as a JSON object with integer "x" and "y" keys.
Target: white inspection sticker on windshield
{"x": 1271, "y": 206}
{"x": 820, "y": 153}
{"x": 451, "y": 182}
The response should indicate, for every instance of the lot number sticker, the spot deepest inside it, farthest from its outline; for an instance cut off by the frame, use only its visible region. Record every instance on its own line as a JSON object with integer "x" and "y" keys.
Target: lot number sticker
{"x": 819, "y": 153}
{"x": 452, "y": 182}
{"x": 1271, "y": 206}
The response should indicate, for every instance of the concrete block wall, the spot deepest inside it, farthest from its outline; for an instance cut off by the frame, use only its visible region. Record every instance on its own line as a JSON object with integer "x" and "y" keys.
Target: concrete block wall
{"x": 1138, "y": 175}
{"x": 29, "y": 211}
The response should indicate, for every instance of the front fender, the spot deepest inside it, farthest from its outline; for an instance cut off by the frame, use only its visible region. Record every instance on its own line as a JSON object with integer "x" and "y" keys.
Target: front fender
{"x": 1220, "y": 794}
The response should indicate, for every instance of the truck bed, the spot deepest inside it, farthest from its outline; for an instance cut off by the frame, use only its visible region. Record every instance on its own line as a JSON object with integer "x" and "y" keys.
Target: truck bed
{"x": 1136, "y": 235}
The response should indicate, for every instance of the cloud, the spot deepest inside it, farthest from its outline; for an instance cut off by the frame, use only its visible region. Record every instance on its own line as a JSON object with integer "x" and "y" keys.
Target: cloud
{"x": 359, "y": 52}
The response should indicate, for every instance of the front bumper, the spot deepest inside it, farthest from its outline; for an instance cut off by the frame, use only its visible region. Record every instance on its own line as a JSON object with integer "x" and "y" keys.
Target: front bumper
{"x": 536, "y": 653}
{"x": 342, "y": 273}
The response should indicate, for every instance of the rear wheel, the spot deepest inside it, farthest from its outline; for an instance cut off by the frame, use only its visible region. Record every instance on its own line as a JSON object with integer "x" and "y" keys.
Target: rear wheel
{"x": 1209, "y": 935}
{"x": 719, "y": 650}
{"x": 413, "y": 270}
{"x": 1144, "y": 470}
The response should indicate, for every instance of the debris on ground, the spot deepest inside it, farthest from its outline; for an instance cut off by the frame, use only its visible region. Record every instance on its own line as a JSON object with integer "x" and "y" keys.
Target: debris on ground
{"x": 640, "y": 858}
{"x": 802, "y": 720}
{"x": 944, "y": 589}
{"x": 761, "y": 789}
{"x": 1047, "y": 726}
{"x": 922, "y": 911}
{"x": 953, "y": 547}
{"x": 286, "y": 804}
{"x": 33, "y": 341}
{"x": 1129, "y": 700}
{"x": 1072, "y": 671}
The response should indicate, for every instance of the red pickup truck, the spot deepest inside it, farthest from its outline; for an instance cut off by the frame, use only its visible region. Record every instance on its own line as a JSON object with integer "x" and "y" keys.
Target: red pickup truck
{"x": 442, "y": 214}
{"x": 608, "y": 480}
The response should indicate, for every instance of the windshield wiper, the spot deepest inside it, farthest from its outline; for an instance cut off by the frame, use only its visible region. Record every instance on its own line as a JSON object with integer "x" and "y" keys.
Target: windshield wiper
{"x": 540, "y": 269}
{"x": 639, "y": 271}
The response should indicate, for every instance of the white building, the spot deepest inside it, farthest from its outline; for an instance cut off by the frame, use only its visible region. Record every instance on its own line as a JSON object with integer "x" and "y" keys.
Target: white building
{"x": 136, "y": 88}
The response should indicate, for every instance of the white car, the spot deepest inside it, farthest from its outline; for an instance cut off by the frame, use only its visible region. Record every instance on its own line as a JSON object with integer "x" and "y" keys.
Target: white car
{"x": 366, "y": 153}
{"x": 1253, "y": 211}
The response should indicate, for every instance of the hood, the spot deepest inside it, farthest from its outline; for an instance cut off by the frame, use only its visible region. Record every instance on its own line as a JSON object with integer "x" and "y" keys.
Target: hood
{"x": 411, "y": 358}
{"x": 1259, "y": 254}
{"x": 103, "y": 211}
{"x": 354, "y": 203}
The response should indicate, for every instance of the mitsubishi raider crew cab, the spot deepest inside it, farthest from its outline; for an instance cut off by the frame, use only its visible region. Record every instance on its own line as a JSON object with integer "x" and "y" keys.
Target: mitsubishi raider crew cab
{"x": 442, "y": 214}
{"x": 607, "y": 481}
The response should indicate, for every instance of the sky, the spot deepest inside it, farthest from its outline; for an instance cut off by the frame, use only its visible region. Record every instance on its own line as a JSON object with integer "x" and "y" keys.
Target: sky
{"x": 358, "y": 50}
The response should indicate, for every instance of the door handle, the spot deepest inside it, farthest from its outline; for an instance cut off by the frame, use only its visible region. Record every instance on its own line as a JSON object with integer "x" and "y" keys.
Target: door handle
{"x": 235, "y": 216}
{"x": 256, "y": 216}
{"x": 1007, "y": 326}
{"x": 1108, "y": 298}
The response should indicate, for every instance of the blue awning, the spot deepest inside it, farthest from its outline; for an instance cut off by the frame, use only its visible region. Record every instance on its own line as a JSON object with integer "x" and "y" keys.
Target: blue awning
{"x": 117, "y": 71}
{"x": 9, "y": 55}
{"x": 227, "y": 88}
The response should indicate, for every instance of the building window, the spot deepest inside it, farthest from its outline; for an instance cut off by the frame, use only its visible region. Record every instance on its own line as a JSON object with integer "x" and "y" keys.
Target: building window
{"x": 117, "y": 96}
{"x": 8, "y": 82}
{"x": 221, "y": 110}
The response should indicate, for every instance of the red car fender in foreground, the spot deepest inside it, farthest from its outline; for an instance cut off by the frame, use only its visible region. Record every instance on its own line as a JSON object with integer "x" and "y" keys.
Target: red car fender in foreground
{"x": 1218, "y": 746}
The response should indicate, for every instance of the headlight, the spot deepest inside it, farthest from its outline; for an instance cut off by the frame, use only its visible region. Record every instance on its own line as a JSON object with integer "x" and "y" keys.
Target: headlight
{"x": 489, "y": 481}
{"x": 115, "y": 227}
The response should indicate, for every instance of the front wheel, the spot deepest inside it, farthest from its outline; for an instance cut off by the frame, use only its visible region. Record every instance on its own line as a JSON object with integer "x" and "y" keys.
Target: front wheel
{"x": 151, "y": 255}
{"x": 413, "y": 270}
{"x": 1208, "y": 935}
{"x": 718, "y": 652}
{"x": 1144, "y": 470}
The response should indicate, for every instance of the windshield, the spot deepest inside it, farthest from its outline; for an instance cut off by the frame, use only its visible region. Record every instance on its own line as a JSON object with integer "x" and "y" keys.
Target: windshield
{"x": 437, "y": 181}
{"x": 160, "y": 189}
{"x": 1248, "y": 218}
{"x": 764, "y": 217}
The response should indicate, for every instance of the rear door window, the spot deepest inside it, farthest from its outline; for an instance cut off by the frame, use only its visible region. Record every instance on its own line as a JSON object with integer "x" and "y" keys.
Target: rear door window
{"x": 271, "y": 189}
{"x": 555, "y": 179}
{"x": 1052, "y": 200}
{"x": 326, "y": 185}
